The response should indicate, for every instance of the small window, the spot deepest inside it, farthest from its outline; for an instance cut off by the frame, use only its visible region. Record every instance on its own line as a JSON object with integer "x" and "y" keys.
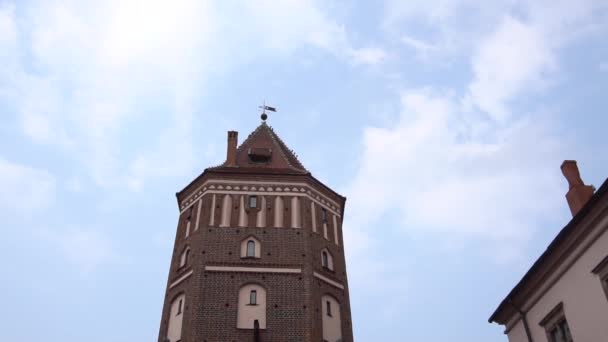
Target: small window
{"x": 260, "y": 154}
{"x": 561, "y": 332}
{"x": 324, "y": 214}
{"x": 556, "y": 325}
{"x": 325, "y": 259}
{"x": 328, "y": 306}
{"x": 601, "y": 270}
{"x": 251, "y": 249}
{"x": 253, "y": 202}
{"x": 180, "y": 307}
{"x": 253, "y": 297}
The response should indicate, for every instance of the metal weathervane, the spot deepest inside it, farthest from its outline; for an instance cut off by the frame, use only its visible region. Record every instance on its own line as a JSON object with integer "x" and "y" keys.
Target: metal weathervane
{"x": 265, "y": 108}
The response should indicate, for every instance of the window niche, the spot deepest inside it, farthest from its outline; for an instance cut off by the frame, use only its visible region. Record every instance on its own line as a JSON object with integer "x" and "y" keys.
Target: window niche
{"x": 174, "y": 328}
{"x": 251, "y": 307}
{"x": 251, "y": 248}
{"x": 184, "y": 257}
{"x": 327, "y": 260}
{"x": 556, "y": 326}
{"x": 332, "y": 322}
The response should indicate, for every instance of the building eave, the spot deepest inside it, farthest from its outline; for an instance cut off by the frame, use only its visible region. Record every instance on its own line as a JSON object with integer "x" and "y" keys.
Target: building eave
{"x": 502, "y": 313}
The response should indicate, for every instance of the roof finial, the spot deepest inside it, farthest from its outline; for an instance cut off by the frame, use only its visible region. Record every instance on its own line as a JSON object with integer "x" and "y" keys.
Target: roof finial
{"x": 265, "y": 108}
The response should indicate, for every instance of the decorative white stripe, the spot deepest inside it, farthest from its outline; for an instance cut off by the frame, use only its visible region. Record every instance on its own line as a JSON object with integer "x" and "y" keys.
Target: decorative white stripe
{"x": 212, "y": 216}
{"x": 336, "y": 240}
{"x": 198, "y": 213}
{"x": 335, "y": 212}
{"x": 329, "y": 281}
{"x": 182, "y": 278}
{"x": 252, "y": 269}
{"x": 305, "y": 188}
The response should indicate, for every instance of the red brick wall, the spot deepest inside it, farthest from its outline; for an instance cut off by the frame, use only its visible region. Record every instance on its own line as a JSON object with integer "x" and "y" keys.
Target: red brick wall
{"x": 293, "y": 300}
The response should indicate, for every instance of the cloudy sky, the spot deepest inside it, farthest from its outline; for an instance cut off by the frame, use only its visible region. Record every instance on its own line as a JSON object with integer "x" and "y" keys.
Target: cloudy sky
{"x": 444, "y": 122}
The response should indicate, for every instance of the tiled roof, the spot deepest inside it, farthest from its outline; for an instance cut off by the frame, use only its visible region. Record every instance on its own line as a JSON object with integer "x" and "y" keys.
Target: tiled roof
{"x": 265, "y": 137}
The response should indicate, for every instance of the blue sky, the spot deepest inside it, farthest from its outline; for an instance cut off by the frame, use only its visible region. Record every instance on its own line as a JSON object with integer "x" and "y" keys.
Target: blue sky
{"x": 443, "y": 122}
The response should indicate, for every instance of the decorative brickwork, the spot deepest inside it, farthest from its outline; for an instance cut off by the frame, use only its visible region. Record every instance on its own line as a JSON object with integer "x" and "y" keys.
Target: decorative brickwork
{"x": 289, "y": 267}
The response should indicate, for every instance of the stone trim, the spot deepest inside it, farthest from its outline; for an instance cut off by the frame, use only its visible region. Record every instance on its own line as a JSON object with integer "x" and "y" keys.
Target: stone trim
{"x": 248, "y": 187}
{"x": 252, "y": 269}
{"x": 180, "y": 279}
{"x": 329, "y": 281}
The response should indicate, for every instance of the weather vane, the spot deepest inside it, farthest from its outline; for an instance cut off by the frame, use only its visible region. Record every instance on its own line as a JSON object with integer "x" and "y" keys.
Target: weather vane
{"x": 265, "y": 108}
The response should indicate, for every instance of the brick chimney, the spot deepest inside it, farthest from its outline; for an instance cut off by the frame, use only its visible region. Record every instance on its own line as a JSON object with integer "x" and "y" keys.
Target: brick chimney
{"x": 233, "y": 137}
{"x": 578, "y": 193}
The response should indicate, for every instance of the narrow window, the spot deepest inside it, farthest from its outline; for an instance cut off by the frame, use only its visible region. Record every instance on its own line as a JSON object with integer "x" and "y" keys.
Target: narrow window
{"x": 187, "y": 258}
{"x": 251, "y": 249}
{"x": 325, "y": 260}
{"x": 324, "y": 215}
{"x": 253, "y": 297}
{"x": 328, "y": 305}
{"x": 253, "y": 202}
{"x": 179, "y": 307}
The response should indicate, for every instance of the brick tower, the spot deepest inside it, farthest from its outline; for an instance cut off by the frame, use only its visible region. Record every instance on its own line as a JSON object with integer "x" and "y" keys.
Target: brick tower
{"x": 258, "y": 252}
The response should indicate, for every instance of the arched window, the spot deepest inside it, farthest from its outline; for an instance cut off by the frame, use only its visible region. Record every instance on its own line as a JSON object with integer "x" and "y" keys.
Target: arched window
{"x": 174, "y": 329}
{"x": 332, "y": 324}
{"x": 327, "y": 261}
{"x": 251, "y": 307}
{"x": 185, "y": 257}
{"x": 251, "y": 249}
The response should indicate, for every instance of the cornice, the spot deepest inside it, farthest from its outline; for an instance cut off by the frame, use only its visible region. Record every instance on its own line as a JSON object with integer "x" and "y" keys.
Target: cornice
{"x": 260, "y": 188}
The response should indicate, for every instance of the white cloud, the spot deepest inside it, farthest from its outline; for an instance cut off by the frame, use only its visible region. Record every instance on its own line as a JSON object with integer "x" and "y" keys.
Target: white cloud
{"x": 8, "y": 29}
{"x": 516, "y": 57}
{"x": 450, "y": 179}
{"x": 371, "y": 56}
{"x": 420, "y": 46}
{"x": 25, "y": 188}
{"x": 99, "y": 64}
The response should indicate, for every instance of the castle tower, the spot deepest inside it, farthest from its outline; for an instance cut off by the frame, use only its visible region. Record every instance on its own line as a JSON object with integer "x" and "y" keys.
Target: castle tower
{"x": 258, "y": 253}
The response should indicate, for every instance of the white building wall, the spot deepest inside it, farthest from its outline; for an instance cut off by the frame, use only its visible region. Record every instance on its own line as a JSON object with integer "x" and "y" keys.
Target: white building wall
{"x": 584, "y": 302}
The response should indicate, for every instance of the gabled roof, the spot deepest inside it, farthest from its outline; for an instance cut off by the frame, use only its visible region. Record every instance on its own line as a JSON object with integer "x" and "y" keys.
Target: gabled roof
{"x": 264, "y": 138}
{"x": 282, "y": 162}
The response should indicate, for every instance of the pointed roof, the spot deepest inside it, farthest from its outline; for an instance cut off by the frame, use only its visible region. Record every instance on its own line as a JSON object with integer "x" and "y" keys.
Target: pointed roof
{"x": 265, "y": 143}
